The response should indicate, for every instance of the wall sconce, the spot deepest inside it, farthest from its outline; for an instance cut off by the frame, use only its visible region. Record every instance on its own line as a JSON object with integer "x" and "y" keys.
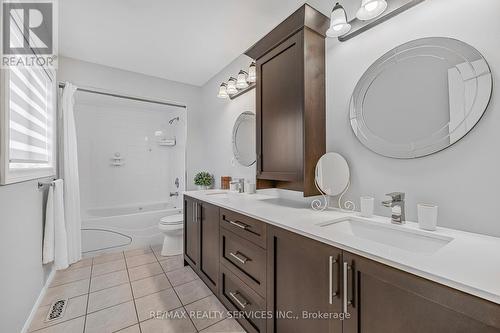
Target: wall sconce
{"x": 370, "y": 9}
{"x": 252, "y": 73}
{"x": 223, "y": 91}
{"x": 244, "y": 81}
{"x": 338, "y": 22}
{"x": 370, "y": 14}
{"x": 241, "y": 81}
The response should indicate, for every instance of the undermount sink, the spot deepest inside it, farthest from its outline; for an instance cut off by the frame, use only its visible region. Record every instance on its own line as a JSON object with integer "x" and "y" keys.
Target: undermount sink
{"x": 388, "y": 234}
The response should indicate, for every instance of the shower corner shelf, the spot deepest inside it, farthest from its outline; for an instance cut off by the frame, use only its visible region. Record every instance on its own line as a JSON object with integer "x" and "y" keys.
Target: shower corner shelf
{"x": 167, "y": 142}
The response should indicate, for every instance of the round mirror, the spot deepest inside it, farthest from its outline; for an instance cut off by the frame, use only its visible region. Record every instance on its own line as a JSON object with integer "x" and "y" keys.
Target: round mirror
{"x": 332, "y": 174}
{"x": 244, "y": 138}
{"x": 420, "y": 97}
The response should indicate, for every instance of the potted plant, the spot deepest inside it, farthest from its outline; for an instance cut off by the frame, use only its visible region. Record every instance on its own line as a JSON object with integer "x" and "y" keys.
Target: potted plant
{"x": 203, "y": 180}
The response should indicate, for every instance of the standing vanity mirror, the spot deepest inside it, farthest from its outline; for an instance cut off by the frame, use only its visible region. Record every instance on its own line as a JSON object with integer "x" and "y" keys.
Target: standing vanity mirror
{"x": 244, "y": 138}
{"x": 420, "y": 97}
{"x": 332, "y": 177}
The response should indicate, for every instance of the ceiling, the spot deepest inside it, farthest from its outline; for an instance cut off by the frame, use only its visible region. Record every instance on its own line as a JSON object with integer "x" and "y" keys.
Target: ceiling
{"x": 184, "y": 40}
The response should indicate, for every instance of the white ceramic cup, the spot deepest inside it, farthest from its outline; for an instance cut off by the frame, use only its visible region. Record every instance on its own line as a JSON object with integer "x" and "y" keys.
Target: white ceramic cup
{"x": 250, "y": 188}
{"x": 367, "y": 204}
{"x": 427, "y": 216}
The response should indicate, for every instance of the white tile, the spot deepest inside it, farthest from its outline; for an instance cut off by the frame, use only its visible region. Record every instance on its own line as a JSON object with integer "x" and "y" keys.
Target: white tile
{"x": 68, "y": 290}
{"x": 108, "y": 280}
{"x": 172, "y": 263}
{"x": 140, "y": 259}
{"x": 180, "y": 276}
{"x": 192, "y": 291}
{"x": 108, "y": 267}
{"x": 111, "y": 319}
{"x": 206, "y": 312}
{"x": 165, "y": 300}
{"x": 135, "y": 252}
{"x": 177, "y": 323}
{"x": 150, "y": 285}
{"x": 108, "y": 257}
{"x": 145, "y": 271}
{"x": 109, "y": 297}
{"x": 67, "y": 276}
{"x": 229, "y": 325}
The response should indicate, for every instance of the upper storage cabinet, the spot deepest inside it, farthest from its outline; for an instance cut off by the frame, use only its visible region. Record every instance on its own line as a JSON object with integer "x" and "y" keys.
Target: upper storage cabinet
{"x": 290, "y": 102}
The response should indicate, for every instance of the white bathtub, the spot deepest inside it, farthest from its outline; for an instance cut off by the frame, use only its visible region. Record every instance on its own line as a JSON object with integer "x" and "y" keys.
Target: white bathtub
{"x": 111, "y": 228}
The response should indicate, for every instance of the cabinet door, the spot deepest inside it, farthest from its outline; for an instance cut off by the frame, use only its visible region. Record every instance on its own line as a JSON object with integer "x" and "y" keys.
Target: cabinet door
{"x": 303, "y": 275}
{"x": 209, "y": 245}
{"x": 191, "y": 231}
{"x": 381, "y": 299}
{"x": 279, "y": 112}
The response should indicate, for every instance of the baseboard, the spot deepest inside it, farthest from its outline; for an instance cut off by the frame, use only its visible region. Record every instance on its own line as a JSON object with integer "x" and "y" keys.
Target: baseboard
{"x": 38, "y": 300}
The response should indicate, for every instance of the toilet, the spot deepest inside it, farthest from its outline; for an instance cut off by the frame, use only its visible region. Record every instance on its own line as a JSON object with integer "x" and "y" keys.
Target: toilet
{"x": 172, "y": 228}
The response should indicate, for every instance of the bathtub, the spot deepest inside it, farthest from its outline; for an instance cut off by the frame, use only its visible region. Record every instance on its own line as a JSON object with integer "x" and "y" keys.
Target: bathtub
{"x": 112, "y": 228}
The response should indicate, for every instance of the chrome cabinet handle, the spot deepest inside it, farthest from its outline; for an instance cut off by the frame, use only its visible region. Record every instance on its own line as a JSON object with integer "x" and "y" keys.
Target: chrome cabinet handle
{"x": 346, "y": 302}
{"x": 331, "y": 293}
{"x": 238, "y": 224}
{"x": 238, "y": 256}
{"x": 243, "y": 303}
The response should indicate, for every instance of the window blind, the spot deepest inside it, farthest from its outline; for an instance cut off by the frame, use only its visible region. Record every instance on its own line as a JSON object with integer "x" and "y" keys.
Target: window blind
{"x": 31, "y": 123}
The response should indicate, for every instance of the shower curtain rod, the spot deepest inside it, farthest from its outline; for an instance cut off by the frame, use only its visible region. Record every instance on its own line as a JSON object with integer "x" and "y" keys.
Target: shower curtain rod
{"x": 135, "y": 98}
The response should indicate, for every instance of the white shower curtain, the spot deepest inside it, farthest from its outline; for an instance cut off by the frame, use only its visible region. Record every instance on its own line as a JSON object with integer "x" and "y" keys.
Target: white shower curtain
{"x": 68, "y": 169}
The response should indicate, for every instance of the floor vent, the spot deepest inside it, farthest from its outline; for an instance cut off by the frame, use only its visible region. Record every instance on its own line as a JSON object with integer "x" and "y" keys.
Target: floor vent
{"x": 57, "y": 309}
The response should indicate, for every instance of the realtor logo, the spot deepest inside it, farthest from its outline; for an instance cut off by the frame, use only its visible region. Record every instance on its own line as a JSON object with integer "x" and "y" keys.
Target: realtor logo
{"x": 28, "y": 33}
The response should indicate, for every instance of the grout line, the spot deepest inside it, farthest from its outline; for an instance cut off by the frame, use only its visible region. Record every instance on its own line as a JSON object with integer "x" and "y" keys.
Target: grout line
{"x": 176, "y": 294}
{"x": 133, "y": 298}
{"x": 88, "y": 297}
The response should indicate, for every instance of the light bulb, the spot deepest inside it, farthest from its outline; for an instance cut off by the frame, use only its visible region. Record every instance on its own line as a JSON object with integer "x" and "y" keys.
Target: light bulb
{"x": 231, "y": 86}
{"x": 370, "y": 9}
{"x": 338, "y": 22}
{"x": 252, "y": 74}
{"x": 223, "y": 91}
{"x": 241, "y": 82}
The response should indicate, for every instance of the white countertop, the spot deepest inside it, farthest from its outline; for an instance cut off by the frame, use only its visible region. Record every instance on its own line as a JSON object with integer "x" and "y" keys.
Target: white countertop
{"x": 470, "y": 262}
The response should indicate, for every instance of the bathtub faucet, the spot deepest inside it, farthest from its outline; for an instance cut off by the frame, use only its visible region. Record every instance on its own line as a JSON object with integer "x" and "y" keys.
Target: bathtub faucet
{"x": 174, "y": 194}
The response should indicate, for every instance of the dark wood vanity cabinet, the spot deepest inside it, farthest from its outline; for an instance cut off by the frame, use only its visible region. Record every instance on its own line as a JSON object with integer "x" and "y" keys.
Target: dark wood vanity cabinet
{"x": 191, "y": 231}
{"x": 290, "y": 101}
{"x": 302, "y": 275}
{"x": 259, "y": 269}
{"x": 201, "y": 239}
{"x": 382, "y": 299}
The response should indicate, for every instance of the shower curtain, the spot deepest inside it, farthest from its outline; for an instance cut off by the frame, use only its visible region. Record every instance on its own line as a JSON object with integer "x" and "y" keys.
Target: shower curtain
{"x": 68, "y": 170}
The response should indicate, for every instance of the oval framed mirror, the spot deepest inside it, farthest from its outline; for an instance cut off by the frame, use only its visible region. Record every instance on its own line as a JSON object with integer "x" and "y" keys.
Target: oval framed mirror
{"x": 332, "y": 174}
{"x": 244, "y": 139}
{"x": 421, "y": 97}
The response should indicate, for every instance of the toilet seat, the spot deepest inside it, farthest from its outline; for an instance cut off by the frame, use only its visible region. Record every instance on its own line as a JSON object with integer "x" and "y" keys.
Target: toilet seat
{"x": 172, "y": 219}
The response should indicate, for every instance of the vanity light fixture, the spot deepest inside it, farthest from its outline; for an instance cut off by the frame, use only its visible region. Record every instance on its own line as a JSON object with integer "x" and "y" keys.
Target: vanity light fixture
{"x": 252, "y": 74}
{"x": 223, "y": 91}
{"x": 370, "y": 9}
{"x": 338, "y": 22}
{"x": 231, "y": 86}
{"x": 244, "y": 81}
{"x": 241, "y": 82}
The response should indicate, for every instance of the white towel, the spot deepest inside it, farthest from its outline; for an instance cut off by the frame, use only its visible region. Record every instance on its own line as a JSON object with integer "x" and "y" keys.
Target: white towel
{"x": 55, "y": 246}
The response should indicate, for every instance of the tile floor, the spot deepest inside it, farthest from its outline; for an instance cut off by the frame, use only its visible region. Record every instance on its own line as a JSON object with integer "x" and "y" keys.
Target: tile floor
{"x": 118, "y": 292}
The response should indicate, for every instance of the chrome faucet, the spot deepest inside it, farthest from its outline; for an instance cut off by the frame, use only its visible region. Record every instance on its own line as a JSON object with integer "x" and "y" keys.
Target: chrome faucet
{"x": 174, "y": 194}
{"x": 239, "y": 184}
{"x": 397, "y": 204}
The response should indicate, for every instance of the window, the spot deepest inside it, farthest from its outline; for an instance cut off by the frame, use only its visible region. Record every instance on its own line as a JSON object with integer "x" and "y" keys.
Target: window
{"x": 28, "y": 124}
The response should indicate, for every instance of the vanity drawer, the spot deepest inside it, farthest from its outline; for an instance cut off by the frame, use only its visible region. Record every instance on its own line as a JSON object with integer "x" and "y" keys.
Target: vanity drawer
{"x": 244, "y": 226}
{"x": 245, "y": 259}
{"x": 237, "y": 296}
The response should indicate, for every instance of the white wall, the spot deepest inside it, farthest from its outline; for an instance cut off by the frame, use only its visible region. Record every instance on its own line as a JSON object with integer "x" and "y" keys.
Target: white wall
{"x": 22, "y": 275}
{"x": 215, "y": 125}
{"x": 463, "y": 179}
{"x": 103, "y": 77}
